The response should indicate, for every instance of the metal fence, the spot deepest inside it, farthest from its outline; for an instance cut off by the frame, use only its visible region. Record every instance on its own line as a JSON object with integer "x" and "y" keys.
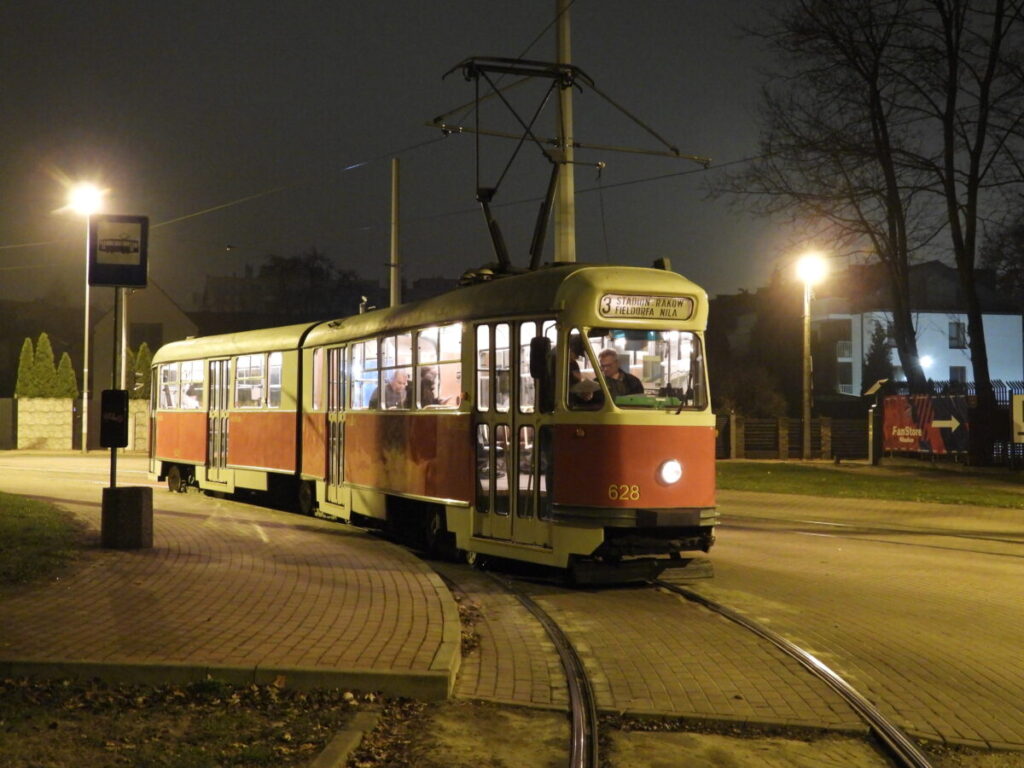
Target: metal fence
{"x": 781, "y": 438}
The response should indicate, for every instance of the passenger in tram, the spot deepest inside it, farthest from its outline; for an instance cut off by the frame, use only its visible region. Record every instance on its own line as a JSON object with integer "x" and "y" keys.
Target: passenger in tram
{"x": 396, "y": 392}
{"x": 428, "y": 389}
{"x": 583, "y": 392}
{"x": 619, "y": 382}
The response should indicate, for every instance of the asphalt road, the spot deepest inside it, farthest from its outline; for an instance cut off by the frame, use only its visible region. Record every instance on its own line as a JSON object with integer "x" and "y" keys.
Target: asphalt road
{"x": 918, "y": 606}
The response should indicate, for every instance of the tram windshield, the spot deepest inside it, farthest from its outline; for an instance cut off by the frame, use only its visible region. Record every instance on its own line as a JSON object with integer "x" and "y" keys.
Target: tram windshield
{"x": 637, "y": 368}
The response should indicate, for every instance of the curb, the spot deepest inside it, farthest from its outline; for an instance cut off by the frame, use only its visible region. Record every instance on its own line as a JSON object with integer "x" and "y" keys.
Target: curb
{"x": 425, "y": 686}
{"x": 345, "y": 742}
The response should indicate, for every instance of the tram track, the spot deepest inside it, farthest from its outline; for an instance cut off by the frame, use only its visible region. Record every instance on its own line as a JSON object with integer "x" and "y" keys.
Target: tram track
{"x": 897, "y": 744}
{"x": 584, "y": 736}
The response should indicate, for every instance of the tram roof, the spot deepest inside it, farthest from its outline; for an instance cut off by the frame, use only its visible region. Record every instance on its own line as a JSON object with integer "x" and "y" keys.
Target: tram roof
{"x": 241, "y": 343}
{"x": 545, "y": 290}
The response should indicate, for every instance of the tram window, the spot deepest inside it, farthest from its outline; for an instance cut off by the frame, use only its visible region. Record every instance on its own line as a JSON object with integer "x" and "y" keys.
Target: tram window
{"x": 545, "y": 473}
{"x": 249, "y": 381}
{"x": 483, "y": 367}
{"x": 483, "y": 469}
{"x": 335, "y": 378}
{"x": 192, "y": 384}
{"x": 652, "y": 368}
{"x": 527, "y": 472}
{"x": 584, "y": 391}
{"x": 396, "y": 389}
{"x": 396, "y": 351}
{"x": 318, "y": 378}
{"x": 502, "y": 367}
{"x": 275, "y": 363}
{"x": 439, "y": 367}
{"x": 364, "y": 373}
{"x": 503, "y": 473}
{"x": 170, "y": 386}
{"x": 396, "y": 373}
{"x": 527, "y": 389}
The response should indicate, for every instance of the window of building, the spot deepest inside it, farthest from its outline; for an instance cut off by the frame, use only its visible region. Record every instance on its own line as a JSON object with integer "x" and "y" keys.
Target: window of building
{"x": 957, "y": 335}
{"x": 844, "y": 378}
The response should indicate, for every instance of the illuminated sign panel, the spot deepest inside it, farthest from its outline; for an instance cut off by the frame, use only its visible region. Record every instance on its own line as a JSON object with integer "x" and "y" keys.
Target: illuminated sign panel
{"x": 118, "y": 250}
{"x": 615, "y": 305}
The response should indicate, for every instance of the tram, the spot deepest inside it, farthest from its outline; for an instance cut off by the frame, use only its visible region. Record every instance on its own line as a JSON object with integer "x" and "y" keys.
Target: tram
{"x": 559, "y": 416}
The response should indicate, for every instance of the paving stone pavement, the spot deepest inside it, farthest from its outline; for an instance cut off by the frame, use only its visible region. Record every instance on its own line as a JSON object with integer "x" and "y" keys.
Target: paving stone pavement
{"x": 247, "y": 594}
{"x": 647, "y": 652}
{"x": 254, "y": 594}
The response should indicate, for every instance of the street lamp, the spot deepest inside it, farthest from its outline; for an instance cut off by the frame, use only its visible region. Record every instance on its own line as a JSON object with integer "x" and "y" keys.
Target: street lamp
{"x": 86, "y": 199}
{"x": 811, "y": 270}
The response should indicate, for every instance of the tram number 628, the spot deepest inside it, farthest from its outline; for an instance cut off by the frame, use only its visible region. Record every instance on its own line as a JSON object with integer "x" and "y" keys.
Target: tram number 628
{"x": 623, "y": 492}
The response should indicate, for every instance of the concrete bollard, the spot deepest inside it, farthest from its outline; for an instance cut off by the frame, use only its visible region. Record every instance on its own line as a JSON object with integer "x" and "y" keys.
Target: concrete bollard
{"x": 127, "y": 521}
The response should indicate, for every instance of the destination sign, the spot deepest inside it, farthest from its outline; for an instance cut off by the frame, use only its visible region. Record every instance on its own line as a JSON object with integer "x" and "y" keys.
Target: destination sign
{"x": 646, "y": 307}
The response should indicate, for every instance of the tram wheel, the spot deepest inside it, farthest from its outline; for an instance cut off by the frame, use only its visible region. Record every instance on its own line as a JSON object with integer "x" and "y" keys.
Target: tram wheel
{"x": 439, "y": 540}
{"x": 306, "y": 498}
{"x": 473, "y": 559}
{"x": 175, "y": 479}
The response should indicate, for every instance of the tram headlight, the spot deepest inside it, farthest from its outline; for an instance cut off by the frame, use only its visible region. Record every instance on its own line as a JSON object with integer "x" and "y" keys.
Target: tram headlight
{"x": 670, "y": 472}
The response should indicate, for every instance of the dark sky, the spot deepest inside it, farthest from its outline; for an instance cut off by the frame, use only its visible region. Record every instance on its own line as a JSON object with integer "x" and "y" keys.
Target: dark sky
{"x": 270, "y": 127}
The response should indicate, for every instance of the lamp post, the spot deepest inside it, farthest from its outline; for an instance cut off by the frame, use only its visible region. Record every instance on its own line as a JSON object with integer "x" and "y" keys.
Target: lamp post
{"x": 85, "y": 199}
{"x": 810, "y": 269}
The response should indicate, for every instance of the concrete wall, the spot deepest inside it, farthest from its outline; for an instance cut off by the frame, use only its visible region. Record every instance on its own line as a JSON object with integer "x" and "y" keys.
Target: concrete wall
{"x": 138, "y": 426}
{"x": 44, "y": 423}
{"x": 8, "y": 432}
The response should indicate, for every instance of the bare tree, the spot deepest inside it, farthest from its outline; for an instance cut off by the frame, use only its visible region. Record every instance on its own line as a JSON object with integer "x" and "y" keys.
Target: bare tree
{"x": 896, "y": 120}
{"x": 963, "y": 65}
{"x": 831, "y": 141}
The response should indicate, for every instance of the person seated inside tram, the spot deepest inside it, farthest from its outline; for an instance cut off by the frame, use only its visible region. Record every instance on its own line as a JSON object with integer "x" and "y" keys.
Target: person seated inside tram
{"x": 619, "y": 382}
{"x": 428, "y": 389}
{"x": 583, "y": 392}
{"x": 396, "y": 392}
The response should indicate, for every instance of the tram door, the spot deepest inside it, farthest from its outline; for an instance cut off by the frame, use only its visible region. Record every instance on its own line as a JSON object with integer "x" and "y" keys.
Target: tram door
{"x": 335, "y": 424}
{"x": 511, "y": 488}
{"x": 217, "y": 428}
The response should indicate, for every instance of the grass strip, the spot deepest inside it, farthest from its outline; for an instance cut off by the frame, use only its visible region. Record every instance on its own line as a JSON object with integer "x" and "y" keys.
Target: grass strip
{"x": 37, "y": 539}
{"x": 925, "y": 484}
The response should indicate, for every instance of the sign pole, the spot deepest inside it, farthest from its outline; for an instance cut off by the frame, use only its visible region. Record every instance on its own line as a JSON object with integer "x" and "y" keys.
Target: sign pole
{"x": 115, "y": 375}
{"x": 118, "y": 258}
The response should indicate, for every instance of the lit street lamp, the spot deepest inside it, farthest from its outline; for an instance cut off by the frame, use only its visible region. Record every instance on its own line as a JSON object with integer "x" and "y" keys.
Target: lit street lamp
{"x": 811, "y": 270}
{"x": 86, "y": 199}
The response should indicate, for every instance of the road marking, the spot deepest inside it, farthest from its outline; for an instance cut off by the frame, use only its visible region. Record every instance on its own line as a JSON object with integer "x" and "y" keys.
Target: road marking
{"x": 262, "y": 533}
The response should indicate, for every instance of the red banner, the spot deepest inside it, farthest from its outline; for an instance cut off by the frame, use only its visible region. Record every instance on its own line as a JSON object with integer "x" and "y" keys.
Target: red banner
{"x": 925, "y": 423}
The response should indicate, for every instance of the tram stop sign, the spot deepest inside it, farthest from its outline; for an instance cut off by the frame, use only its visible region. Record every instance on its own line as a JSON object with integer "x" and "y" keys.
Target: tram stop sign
{"x": 114, "y": 418}
{"x": 118, "y": 250}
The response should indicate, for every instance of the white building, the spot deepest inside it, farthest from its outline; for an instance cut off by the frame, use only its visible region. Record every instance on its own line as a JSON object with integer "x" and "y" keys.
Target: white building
{"x": 844, "y": 326}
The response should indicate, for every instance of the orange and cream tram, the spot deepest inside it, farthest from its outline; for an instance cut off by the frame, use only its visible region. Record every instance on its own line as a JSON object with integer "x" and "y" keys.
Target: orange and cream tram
{"x": 560, "y": 417}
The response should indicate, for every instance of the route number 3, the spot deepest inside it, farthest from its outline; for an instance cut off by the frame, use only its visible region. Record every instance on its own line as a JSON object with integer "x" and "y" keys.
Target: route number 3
{"x": 623, "y": 492}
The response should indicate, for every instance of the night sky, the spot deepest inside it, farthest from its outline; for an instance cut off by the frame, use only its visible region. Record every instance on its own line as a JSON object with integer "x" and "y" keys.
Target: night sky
{"x": 269, "y": 127}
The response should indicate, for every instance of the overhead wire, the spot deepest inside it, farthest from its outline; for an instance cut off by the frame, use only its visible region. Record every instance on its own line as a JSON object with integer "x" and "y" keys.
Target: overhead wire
{"x": 600, "y": 188}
